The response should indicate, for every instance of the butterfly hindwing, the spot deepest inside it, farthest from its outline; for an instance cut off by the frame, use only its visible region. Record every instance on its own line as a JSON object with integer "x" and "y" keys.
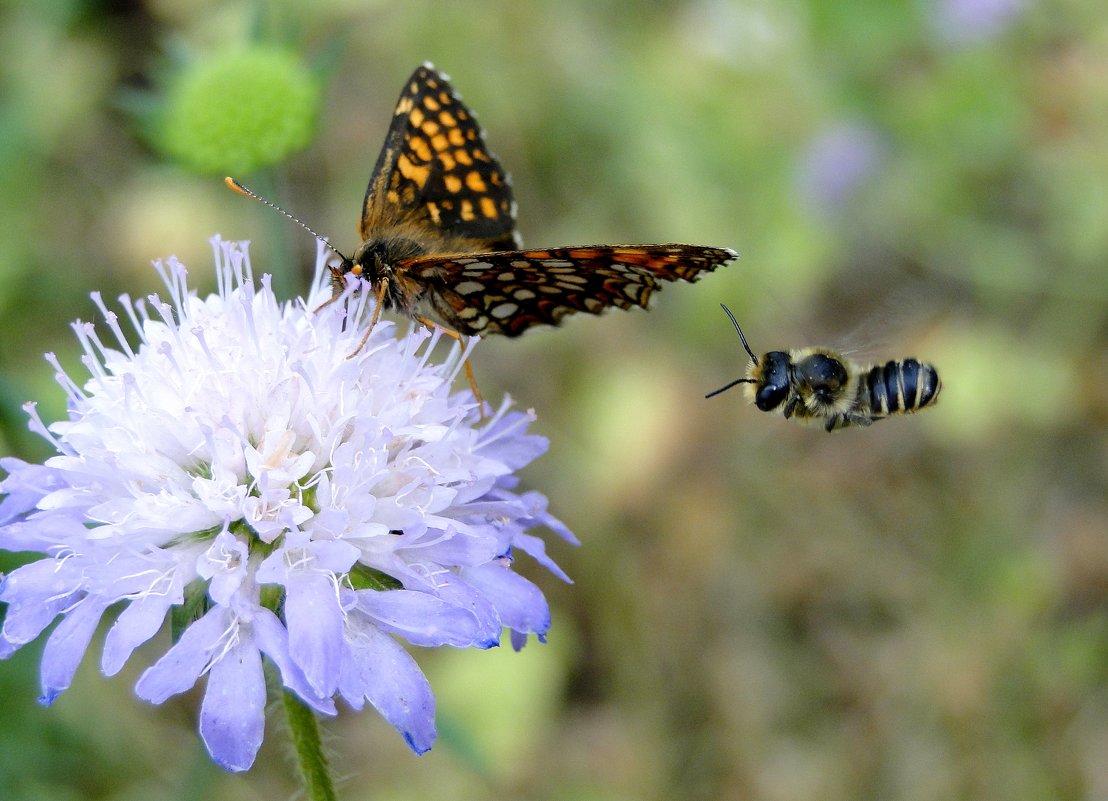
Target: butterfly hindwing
{"x": 436, "y": 172}
{"x": 508, "y": 292}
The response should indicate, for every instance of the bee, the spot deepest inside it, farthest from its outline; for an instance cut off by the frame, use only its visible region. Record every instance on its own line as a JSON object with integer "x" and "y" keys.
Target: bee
{"x": 817, "y": 385}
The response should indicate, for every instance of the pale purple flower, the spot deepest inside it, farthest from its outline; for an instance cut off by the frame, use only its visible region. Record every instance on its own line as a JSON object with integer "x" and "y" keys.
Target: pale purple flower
{"x": 306, "y": 508}
{"x": 835, "y": 163}
{"x": 971, "y": 21}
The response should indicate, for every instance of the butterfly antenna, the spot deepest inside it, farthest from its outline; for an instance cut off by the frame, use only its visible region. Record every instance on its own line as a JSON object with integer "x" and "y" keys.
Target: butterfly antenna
{"x": 235, "y": 186}
{"x": 753, "y": 358}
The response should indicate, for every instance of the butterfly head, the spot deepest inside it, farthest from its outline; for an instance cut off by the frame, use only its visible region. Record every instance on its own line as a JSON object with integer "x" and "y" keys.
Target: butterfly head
{"x": 376, "y": 259}
{"x": 380, "y": 263}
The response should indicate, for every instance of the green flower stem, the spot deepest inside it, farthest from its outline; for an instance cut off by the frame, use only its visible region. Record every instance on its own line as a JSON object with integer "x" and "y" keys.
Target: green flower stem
{"x": 304, "y": 728}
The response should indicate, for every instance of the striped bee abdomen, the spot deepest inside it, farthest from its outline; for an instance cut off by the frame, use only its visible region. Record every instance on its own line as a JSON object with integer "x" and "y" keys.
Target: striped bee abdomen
{"x": 898, "y": 387}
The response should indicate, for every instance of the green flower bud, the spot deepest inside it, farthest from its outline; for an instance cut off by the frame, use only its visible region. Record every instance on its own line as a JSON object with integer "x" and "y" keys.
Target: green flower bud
{"x": 236, "y": 112}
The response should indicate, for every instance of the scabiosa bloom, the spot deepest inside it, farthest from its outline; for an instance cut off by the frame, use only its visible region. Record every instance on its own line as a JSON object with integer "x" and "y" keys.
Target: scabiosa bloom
{"x": 238, "y": 474}
{"x": 836, "y": 163}
{"x": 972, "y": 21}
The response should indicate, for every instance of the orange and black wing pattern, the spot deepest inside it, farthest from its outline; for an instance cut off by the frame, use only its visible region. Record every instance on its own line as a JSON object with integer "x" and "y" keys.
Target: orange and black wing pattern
{"x": 436, "y": 174}
{"x": 509, "y": 292}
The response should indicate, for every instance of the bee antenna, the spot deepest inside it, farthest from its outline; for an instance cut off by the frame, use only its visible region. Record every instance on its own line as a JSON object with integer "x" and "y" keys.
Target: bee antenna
{"x": 235, "y": 186}
{"x": 753, "y": 358}
{"x": 728, "y": 386}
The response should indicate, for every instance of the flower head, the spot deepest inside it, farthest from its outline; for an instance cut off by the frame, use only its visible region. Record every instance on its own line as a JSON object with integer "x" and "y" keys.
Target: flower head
{"x": 836, "y": 163}
{"x": 238, "y": 111}
{"x": 236, "y": 473}
{"x": 966, "y": 22}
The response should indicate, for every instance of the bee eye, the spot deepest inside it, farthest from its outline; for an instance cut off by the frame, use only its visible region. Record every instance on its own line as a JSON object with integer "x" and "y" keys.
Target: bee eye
{"x": 770, "y": 397}
{"x": 774, "y": 382}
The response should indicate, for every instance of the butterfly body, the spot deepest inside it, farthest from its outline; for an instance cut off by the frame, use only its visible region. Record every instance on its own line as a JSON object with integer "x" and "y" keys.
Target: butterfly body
{"x": 374, "y": 262}
{"x": 440, "y": 241}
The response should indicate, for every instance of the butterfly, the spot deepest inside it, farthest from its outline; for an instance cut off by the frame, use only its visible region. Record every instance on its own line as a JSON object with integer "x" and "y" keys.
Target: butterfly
{"x": 439, "y": 239}
{"x": 438, "y": 226}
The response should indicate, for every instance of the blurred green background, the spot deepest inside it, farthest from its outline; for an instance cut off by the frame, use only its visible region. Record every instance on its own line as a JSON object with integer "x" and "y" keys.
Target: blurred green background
{"x": 761, "y": 610}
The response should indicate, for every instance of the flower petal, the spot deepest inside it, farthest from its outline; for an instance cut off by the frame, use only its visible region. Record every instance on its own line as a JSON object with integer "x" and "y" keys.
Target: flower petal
{"x": 422, "y": 619}
{"x": 66, "y": 646}
{"x": 315, "y": 625}
{"x": 136, "y": 624}
{"x": 25, "y": 485}
{"x": 520, "y": 603}
{"x": 232, "y": 716}
{"x": 182, "y": 664}
{"x": 36, "y": 593}
{"x": 459, "y": 593}
{"x": 378, "y": 670}
{"x": 273, "y": 641}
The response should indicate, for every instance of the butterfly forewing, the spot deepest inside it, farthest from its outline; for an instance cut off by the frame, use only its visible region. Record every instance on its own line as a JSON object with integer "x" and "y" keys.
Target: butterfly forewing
{"x": 436, "y": 175}
{"x": 508, "y": 292}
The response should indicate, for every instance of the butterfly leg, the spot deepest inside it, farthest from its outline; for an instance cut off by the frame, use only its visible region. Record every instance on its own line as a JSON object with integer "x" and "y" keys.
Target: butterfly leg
{"x": 338, "y": 284}
{"x": 379, "y": 290}
{"x": 450, "y": 332}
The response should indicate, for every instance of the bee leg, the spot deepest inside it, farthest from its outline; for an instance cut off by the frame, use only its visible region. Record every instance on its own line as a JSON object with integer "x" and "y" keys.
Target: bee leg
{"x": 790, "y": 406}
{"x": 379, "y": 290}
{"x": 450, "y": 332}
{"x": 848, "y": 419}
